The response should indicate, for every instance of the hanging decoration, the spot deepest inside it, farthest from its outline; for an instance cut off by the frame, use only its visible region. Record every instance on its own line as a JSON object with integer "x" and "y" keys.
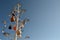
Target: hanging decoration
{"x": 10, "y": 27}
{"x": 14, "y": 28}
{"x": 6, "y": 34}
{"x": 18, "y": 24}
{"x": 12, "y": 19}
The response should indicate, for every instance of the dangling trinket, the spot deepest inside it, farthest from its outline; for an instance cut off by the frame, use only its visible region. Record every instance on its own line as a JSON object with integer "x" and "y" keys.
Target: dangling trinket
{"x": 14, "y": 28}
{"x": 10, "y": 27}
{"x": 12, "y": 19}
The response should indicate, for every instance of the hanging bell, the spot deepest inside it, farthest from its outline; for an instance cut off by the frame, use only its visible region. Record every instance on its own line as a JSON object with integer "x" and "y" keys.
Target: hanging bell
{"x": 27, "y": 20}
{"x": 3, "y": 31}
{"x": 13, "y": 14}
{"x": 21, "y": 25}
{"x": 14, "y": 28}
{"x": 14, "y": 11}
{"x": 23, "y": 10}
{"x": 5, "y": 26}
{"x": 19, "y": 4}
{"x": 12, "y": 19}
{"x": 6, "y": 34}
{"x": 23, "y": 22}
{"x": 4, "y": 22}
{"x": 10, "y": 27}
{"x": 18, "y": 32}
{"x": 27, "y": 36}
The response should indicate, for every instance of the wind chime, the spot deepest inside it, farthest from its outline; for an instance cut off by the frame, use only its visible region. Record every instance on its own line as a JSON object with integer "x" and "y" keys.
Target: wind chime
{"x": 19, "y": 24}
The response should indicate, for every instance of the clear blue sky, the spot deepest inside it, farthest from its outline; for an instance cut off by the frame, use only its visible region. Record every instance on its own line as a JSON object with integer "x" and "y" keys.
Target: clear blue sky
{"x": 44, "y": 18}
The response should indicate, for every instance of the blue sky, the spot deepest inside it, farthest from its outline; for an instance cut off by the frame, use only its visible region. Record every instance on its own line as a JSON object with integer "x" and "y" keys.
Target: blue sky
{"x": 44, "y": 18}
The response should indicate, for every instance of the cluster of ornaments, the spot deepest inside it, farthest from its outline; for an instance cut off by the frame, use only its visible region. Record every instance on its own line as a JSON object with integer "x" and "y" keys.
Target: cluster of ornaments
{"x": 13, "y": 18}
